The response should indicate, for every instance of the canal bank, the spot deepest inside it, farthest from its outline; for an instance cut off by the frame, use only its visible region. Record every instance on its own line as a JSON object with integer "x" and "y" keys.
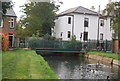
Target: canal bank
{"x": 25, "y": 64}
{"x": 104, "y": 57}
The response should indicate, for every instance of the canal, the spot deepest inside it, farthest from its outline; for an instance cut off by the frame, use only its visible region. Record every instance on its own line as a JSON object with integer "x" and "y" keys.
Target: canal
{"x": 78, "y": 67}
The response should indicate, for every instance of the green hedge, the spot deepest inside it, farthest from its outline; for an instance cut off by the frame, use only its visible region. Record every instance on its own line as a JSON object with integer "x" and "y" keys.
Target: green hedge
{"x": 38, "y": 43}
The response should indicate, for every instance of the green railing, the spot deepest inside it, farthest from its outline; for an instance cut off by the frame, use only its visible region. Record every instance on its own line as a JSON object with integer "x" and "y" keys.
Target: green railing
{"x": 76, "y": 45}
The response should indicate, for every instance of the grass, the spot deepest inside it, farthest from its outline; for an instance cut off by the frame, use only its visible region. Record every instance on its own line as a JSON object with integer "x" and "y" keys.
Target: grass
{"x": 0, "y": 65}
{"x": 25, "y": 64}
{"x": 107, "y": 54}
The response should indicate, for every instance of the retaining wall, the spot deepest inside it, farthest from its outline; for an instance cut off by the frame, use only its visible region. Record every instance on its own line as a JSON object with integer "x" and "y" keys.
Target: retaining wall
{"x": 103, "y": 59}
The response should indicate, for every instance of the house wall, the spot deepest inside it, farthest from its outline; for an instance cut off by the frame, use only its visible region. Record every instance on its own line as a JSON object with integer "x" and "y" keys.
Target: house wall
{"x": 61, "y": 25}
{"x": 6, "y": 27}
{"x": 106, "y": 29}
{"x": 77, "y": 26}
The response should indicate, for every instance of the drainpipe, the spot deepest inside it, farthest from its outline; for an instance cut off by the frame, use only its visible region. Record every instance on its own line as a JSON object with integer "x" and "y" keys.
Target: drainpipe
{"x": 73, "y": 25}
{"x": 98, "y": 26}
{"x": 0, "y": 11}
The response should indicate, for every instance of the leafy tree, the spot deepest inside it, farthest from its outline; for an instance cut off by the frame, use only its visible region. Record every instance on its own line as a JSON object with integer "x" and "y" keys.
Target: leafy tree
{"x": 39, "y": 17}
{"x": 5, "y": 6}
{"x": 113, "y": 9}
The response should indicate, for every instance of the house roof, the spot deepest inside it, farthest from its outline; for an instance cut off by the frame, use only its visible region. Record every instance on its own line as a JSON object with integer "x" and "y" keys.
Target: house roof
{"x": 10, "y": 12}
{"x": 79, "y": 10}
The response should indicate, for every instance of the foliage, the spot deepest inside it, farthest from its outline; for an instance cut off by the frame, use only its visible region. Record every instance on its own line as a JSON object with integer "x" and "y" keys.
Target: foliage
{"x": 5, "y": 43}
{"x": 39, "y": 17}
{"x": 73, "y": 45}
{"x": 25, "y": 64}
{"x": 5, "y": 6}
{"x": 113, "y": 9}
{"x": 41, "y": 43}
{"x": 73, "y": 38}
{"x": 48, "y": 37}
{"x": 107, "y": 54}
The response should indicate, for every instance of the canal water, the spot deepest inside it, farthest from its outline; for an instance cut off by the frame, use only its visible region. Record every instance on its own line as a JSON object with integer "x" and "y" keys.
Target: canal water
{"x": 78, "y": 67}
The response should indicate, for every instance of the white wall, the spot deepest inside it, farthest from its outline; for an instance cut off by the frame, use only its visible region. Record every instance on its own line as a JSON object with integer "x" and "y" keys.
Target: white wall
{"x": 61, "y": 25}
{"x": 106, "y": 30}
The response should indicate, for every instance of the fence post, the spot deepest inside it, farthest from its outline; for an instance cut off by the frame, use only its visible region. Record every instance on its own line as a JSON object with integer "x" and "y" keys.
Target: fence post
{"x": 106, "y": 45}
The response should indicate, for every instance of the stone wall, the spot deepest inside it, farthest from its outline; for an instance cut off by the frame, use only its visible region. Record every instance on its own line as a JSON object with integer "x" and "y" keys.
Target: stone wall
{"x": 103, "y": 59}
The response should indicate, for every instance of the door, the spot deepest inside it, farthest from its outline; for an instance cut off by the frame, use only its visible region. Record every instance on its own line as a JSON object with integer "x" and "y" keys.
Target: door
{"x": 11, "y": 40}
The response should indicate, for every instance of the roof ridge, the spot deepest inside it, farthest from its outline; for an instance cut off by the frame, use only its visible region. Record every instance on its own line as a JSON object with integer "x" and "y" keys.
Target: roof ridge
{"x": 88, "y": 9}
{"x": 70, "y": 9}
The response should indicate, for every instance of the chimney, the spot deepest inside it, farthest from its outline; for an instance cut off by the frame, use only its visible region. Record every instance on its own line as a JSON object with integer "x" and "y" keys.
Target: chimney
{"x": 92, "y": 8}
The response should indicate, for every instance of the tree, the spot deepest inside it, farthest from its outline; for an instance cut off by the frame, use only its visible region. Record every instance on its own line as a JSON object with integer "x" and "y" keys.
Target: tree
{"x": 5, "y": 6}
{"x": 39, "y": 17}
{"x": 113, "y": 9}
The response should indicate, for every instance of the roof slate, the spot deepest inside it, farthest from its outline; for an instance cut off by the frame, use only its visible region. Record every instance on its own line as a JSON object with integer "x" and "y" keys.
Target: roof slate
{"x": 80, "y": 10}
{"x": 10, "y": 12}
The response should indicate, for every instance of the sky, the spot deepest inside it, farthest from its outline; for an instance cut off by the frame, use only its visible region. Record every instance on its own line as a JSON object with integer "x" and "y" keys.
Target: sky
{"x": 66, "y": 5}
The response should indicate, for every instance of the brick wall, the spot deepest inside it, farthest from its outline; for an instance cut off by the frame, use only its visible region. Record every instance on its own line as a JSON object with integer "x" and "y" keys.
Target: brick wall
{"x": 6, "y": 25}
{"x": 116, "y": 47}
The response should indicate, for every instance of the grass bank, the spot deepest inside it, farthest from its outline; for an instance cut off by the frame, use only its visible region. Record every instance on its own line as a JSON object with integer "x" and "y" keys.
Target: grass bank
{"x": 107, "y": 54}
{"x": 25, "y": 64}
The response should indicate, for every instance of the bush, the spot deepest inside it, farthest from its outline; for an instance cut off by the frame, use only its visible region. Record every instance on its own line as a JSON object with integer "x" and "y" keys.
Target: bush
{"x": 51, "y": 42}
{"x": 4, "y": 42}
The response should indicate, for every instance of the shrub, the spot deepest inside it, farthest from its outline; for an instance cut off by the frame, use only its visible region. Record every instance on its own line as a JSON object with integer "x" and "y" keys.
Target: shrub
{"x": 4, "y": 42}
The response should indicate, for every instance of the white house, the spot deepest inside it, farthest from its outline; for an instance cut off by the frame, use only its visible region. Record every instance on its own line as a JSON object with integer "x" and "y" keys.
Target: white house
{"x": 83, "y": 23}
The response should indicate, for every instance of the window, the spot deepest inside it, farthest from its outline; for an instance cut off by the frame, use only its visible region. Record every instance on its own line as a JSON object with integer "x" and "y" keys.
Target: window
{"x": 85, "y": 36}
{"x": 101, "y": 36}
{"x": 69, "y": 20}
{"x": 11, "y": 22}
{"x": 1, "y": 23}
{"x": 69, "y": 34}
{"x": 80, "y": 35}
{"x": 61, "y": 34}
{"x": 102, "y": 22}
{"x": 86, "y": 22}
{"x": 119, "y": 43}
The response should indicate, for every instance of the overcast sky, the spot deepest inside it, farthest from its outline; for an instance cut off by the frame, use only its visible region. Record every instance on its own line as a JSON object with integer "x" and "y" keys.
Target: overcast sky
{"x": 67, "y": 4}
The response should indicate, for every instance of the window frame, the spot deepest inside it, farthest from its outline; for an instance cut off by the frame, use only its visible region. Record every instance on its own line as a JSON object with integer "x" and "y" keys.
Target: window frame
{"x": 86, "y": 22}
{"x": 69, "y": 34}
{"x": 85, "y": 36}
{"x": 101, "y": 36}
{"x": 69, "y": 20}
{"x": 102, "y": 22}
{"x": 119, "y": 43}
{"x": 61, "y": 34}
{"x": 12, "y": 22}
{"x": 1, "y": 25}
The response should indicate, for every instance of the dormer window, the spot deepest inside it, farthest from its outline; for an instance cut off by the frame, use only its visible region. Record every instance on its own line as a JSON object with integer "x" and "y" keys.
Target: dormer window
{"x": 1, "y": 23}
{"x": 11, "y": 22}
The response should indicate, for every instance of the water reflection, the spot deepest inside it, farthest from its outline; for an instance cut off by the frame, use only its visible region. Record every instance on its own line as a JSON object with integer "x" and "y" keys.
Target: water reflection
{"x": 75, "y": 67}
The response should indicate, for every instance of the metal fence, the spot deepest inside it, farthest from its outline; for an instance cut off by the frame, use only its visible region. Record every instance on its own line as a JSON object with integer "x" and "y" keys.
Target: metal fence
{"x": 76, "y": 45}
{"x": 102, "y": 45}
{"x": 105, "y": 45}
